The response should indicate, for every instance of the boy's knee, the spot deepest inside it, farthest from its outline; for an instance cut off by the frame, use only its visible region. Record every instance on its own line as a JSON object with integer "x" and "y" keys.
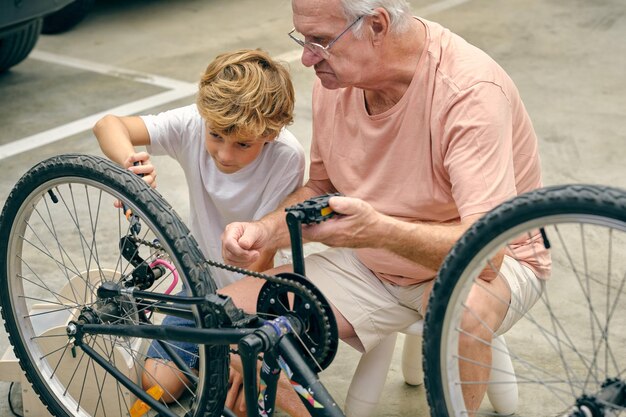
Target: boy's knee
{"x": 167, "y": 375}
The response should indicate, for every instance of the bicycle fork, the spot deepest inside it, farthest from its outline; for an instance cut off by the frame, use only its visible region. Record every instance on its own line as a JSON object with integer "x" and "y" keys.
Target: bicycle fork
{"x": 275, "y": 339}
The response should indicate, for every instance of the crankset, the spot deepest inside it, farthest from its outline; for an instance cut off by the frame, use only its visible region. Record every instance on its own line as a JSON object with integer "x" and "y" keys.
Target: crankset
{"x": 303, "y": 300}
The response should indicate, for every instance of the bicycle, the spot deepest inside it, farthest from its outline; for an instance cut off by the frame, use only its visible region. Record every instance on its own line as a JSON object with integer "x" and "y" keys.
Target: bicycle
{"x": 103, "y": 278}
{"x": 86, "y": 284}
{"x": 568, "y": 352}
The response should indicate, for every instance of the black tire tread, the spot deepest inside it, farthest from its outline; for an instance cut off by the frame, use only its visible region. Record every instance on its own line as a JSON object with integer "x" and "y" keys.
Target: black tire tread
{"x": 603, "y": 201}
{"x": 68, "y": 17}
{"x": 15, "y": 47}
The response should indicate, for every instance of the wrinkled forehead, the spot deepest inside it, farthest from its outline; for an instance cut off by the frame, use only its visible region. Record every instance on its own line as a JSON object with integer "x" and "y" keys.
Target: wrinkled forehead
{"x": 317, "y": 14}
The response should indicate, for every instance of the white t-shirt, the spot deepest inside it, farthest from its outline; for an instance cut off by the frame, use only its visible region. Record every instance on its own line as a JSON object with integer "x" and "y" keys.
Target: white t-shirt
{"x": 217, "y": 199}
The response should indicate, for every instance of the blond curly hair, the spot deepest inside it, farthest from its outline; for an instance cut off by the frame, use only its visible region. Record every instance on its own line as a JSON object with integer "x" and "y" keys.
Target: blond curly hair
{"x": 246, "y": 94}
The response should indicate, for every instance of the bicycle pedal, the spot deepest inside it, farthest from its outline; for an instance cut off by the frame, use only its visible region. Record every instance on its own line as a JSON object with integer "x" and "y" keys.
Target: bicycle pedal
{"x": 313, "y": 210}
{"x": 140, "y": 408}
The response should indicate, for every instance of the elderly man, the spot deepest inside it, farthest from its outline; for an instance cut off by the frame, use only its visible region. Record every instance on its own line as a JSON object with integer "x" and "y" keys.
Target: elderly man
{"x": 423, "y": 133}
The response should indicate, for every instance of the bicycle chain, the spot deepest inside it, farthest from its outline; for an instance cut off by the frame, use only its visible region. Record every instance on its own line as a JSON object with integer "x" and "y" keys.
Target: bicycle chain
{"x": 272, "y": 278}
{"x": 318, "y": 358}
{"x": 313, "y": 210}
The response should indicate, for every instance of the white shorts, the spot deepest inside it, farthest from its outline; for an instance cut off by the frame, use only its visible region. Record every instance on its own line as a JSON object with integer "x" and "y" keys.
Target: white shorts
{"x": 525, "y": 288}
{"x": 377, "y": 308}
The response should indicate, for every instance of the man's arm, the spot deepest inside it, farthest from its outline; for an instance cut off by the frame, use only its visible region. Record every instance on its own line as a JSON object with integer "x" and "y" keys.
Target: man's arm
{"x": 429, "y": 243}
{"x": 425, "y": 243}
{"x": 361, "y": 226}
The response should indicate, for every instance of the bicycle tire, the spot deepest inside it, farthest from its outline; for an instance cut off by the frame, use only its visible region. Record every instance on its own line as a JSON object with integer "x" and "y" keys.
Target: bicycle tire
{"x": 66, "y": 18}
{"x": 54, "y": 256}
{"x": 16, "y": 47}
{"x": 565, "y": 350}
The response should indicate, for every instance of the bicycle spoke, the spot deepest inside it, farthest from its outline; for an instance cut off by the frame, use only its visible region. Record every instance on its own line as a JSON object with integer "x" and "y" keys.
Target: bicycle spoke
{"x": 569, "y": 346}
{"x": 61, "y": 241}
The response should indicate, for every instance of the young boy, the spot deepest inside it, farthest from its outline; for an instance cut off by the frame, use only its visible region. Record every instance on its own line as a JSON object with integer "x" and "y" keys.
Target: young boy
{"x": 239, "y": 162}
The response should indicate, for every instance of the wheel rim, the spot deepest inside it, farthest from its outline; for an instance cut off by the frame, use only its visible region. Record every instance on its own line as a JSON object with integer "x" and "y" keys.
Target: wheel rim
{"x": 562, "y": 351}
{"x": 47, "y": 260}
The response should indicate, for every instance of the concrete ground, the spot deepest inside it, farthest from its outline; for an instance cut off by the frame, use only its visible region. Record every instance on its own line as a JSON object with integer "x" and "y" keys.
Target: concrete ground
{"x": 568, "y": 58}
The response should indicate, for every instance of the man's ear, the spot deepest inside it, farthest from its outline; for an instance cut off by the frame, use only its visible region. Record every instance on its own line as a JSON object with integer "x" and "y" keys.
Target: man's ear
{"x": 379, "y": 24}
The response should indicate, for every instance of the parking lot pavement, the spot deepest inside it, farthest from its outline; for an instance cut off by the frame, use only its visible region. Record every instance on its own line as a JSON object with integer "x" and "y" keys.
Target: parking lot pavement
{"x": 568, "y": 59}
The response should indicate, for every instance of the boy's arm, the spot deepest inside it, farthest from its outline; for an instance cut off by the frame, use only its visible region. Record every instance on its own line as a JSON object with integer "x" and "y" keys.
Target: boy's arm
{"x": 244, "y": 242}
{"x": 118, "y": 136}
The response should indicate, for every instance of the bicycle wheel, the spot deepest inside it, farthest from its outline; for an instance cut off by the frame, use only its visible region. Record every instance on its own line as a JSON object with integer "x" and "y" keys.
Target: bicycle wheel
{"x": 61, "y": 236}
{"x": 569, "y": 350}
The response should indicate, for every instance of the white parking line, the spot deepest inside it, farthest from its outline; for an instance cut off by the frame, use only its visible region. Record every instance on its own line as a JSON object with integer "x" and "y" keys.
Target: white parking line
{"x": 104, "y": 69}
{"x": 86, "y": 123}
{"x": 177, "y": 89}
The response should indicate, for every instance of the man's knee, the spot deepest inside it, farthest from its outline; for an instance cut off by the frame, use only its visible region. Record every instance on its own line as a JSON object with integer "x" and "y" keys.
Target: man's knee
{"x": 486, "y": 308}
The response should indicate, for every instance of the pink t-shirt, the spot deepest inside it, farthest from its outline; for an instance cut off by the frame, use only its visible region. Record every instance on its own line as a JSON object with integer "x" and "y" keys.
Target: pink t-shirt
{"x": 459, "y": 142}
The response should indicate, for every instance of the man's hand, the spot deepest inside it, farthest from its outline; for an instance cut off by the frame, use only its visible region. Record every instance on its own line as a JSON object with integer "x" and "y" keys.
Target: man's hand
{"x": 242, "y": 243}
{"x": 356, "y": 226}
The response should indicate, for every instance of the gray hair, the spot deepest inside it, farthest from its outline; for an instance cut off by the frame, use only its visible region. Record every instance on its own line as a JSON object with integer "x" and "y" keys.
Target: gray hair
{"x": 399, "y": 13}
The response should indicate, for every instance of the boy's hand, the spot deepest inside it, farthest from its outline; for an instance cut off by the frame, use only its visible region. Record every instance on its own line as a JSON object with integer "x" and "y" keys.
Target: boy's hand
{"x": 140, "y": 164}
{"x": 235, "y": 398}
{"x": 242, "y": 243}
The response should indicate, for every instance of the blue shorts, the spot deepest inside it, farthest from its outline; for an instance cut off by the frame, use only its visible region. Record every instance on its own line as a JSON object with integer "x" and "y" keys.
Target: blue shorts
{"x": 188, "y": 352}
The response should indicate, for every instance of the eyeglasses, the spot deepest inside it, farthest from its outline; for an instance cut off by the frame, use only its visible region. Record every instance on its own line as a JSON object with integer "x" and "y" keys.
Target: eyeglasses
{"x": 316, "y": 48}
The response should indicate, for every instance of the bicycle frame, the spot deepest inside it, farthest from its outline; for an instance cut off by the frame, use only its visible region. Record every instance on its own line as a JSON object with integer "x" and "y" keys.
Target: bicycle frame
{"x": 272, "y": 338}
{"x": 253, "y": 336}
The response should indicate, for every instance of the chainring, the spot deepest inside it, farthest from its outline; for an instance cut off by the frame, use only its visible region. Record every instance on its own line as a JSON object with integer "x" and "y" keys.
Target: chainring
{"x": 319, "y": 337}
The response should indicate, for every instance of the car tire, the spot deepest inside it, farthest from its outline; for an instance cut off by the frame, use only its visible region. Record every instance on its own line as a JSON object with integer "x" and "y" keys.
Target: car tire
{"x": 15, "y": 47}
{"x": 67, "y": 17}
